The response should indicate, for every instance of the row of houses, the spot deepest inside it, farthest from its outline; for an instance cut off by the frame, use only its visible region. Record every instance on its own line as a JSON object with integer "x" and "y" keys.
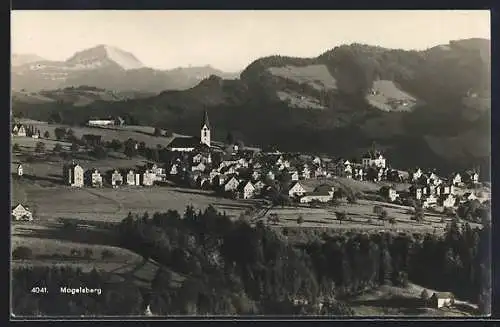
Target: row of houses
{"x": 74, "y": 175}
{"x": 21, "y": 130}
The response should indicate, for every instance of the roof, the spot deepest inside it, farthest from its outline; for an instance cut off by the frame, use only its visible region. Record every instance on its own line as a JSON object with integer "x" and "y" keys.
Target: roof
{"x": 205, "y": 120}
{"x": 319, "y": 193}
{"x": 443, "y": 295}
{"x": 184, "y": 142}
{"x": 19, "y": 204}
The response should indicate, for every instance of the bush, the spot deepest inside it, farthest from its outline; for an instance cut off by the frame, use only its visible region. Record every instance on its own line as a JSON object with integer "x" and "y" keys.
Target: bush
{"x": 107, "y": 254}
{"x": 15, "y": 147}
{"x": 22, "y": 252}
{"x": 87, "y": 253}
{"x": 424, "y": 295}
{"x": 46, "y": 134}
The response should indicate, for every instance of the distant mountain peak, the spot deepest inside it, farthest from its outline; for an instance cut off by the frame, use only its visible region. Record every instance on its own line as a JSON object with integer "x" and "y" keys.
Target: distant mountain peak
{"x": 103, "y": 55}
{"x": 18, "y": 59}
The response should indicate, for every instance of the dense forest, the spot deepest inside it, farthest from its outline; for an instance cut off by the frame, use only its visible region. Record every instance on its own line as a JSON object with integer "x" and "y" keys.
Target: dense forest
{"x": 230, "y": 267}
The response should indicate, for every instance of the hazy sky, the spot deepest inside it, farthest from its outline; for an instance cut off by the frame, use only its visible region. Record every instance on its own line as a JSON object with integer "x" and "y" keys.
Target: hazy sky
{"x": 230, "y": 40}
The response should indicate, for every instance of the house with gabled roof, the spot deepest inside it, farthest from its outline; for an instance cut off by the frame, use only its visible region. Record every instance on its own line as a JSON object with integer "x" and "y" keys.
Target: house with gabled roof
{"x": 231, "y": 185}
{"x": 73, "y": 175}
{"x": 20, "y": 212}
{"x": 298, "y": 189}
{"x": 246, "y": 190}
{"x": 442, "y": 299}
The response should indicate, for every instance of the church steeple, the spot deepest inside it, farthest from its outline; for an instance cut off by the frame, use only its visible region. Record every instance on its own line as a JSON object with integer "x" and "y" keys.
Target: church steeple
{"x": 205, "y": 121}
{"x": 205, "y": 130}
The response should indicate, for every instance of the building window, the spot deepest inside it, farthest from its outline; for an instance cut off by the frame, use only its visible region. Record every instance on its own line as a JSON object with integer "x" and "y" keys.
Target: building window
{"x": 204, "y": 133}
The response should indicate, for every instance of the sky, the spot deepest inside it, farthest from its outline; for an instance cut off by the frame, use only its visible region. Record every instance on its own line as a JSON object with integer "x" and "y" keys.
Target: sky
{"x": 231, "y": 40}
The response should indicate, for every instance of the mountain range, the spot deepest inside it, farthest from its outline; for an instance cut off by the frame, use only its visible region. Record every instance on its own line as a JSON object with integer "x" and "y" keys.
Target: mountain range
{"x": 427, "y": 108}
{"x": 106, "y": 67}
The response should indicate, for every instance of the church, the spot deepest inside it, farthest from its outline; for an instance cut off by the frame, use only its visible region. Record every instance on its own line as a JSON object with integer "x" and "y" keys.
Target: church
{"x": 188, "y": 144}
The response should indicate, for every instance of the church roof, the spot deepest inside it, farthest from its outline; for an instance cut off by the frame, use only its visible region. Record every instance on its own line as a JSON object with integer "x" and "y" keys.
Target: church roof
{"x": 205, "y": 120}
{"x": 184, "y": 142}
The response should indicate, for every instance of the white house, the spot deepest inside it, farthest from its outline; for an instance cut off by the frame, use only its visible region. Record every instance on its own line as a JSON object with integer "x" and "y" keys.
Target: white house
{"x": 259, "y": 185}
{"x": 74, "y": 175}
{"x": 294, "y": 175}
{"x": 133, "y": 179}
{"x": 469, "y": 196}
{"x": 297, "y": 189}
{"x": 148, "y": 178}
{"x": 101, "y": 122}
{"x": 20, "y": 170}
{"x": 247, "y": 190}
{"x": 270, "y": 175}
{"x": 256, "y": 175}
{"x": 449, "y": 200}
{"x": 201, "y": 167}
{"x": 20, "y": 212}
{"x": 456, "y": 179}
{"x": 323, "y": 193}
{"x": 430, "y": 201}
{"x": 390, "y": 193}
{"x": 116, "y": 178}
{"x": 416, "y": 174}
{"x": 174, "y": 170}
{"x": 19, "y": 130}
{"x": 231, "y": 185}
{"x": 306, "y": 172}
{"x": 317, "y": 161}
{"x": 443, "y": 299}
{"x": 96, "y": 178}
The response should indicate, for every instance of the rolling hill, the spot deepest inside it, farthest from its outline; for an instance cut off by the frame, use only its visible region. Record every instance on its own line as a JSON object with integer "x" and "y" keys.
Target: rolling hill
{"x": 426, "y": 108}
{"x": 106, "y": 67}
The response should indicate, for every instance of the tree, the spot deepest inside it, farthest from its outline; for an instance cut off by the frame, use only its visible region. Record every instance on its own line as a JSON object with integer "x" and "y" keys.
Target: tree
{"x": 40, "y": 147}
{"x": 99, "y": 152}
{"x": 157, "y": 132}
{"x": 22, "y": 252}
{"x": 60, "y": 133}
{"x": 130, "y": 148}
{"x": 230, "y": 138}
{"x": 392, "y": 221}
{"x": 382, "y": 215}
{"x": 300, "y": 220}
{"x": 115, "y": 145}
{"x": 74, "y": 147}
{"x": 424, "y": 295}
{"x": 341, "y": 215}
{"x": 57, "y": 147}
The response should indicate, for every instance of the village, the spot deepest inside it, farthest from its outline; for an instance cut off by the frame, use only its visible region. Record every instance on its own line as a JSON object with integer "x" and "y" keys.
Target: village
{"x": 242, "y": 173}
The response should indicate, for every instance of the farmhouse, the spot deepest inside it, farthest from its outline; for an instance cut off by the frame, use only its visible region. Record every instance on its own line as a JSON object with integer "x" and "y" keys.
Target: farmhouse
{"x": 322, "y": 193}
{"x": 100, "y": 122}
{"x": 448, "y": 201}
{"x": 73, "y": 175}
{"x": 231, "y": 185}
{"x": 456, "y": 179}
{"x": 471, "y": 177}
{"x": 94, "y": 178}
{"x": 294, "y": 175}
{"x": 19, "y": 130}
{"x": 389, "y": 192}
{"x": 297, "y": 190}
{"x": 469, "y": 196}
{"x": 442, "y": 299}
{"x": 430, "y": 201}
{"x": 246, "y": 190}
{"x": 116, "y": 178}
{"x": 20, "y": 212}
{"x": 133, "y": 179}
{"x": 148, "y": 178}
